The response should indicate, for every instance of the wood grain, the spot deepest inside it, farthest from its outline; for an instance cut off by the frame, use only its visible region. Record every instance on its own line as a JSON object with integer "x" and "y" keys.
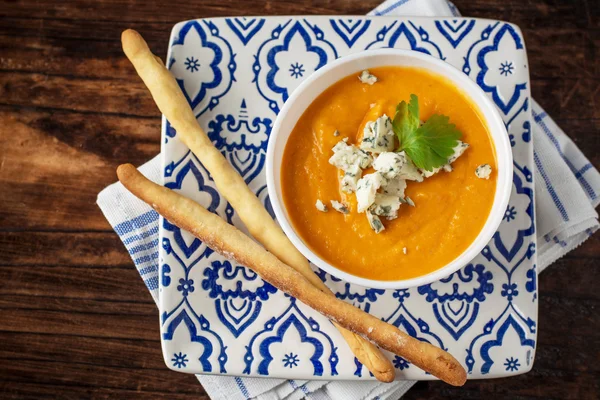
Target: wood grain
{"x": 77, "y": 322}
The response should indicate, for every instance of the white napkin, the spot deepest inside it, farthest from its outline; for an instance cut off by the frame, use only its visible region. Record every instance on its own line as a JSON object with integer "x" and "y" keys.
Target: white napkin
{"x": 567, "y": 189}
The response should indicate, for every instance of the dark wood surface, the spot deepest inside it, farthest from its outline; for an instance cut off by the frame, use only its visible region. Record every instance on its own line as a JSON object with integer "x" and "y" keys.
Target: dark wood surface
{"x": 75, "y": 319}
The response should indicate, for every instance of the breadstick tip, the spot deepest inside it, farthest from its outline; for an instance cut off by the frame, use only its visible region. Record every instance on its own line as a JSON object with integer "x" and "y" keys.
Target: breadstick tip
{"x": 125, "y": 172}
{"x": 459, "y": 375}
{"x": 132, "y": 43}
{"x": 385, "y": 376}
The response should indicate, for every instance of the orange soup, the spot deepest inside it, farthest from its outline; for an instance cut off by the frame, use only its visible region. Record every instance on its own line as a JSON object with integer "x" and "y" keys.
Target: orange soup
{"x": 450, "y": 207}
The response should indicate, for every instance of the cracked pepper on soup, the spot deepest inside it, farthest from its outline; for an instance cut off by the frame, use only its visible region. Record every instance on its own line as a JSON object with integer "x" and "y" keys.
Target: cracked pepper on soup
{"x": 389, "y": 174}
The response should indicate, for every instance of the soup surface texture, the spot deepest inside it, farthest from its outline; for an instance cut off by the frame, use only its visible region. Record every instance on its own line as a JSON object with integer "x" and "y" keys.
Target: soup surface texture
{"x": 450, "y": 207}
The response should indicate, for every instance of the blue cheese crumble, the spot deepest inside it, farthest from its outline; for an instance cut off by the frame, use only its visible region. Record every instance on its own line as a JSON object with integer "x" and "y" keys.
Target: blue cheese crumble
{"x": 320, "y": 206}
{"x": 374, "y": 222}
{"x": 367, "y": 77}
{"x": 483, "y": 171}
{"x": 409, "y": 171}
{"x": 385, "y": 205}
{"x": 378, "y": 136}
{"x": 339, "y": 207}
{"x": 347, "y": 155}
{"x": 389, "y": 164}
{"x": 394, "y": 187}
{"x": 366, "y": 190}
{"x": 351, "y": 160}
{"x": 350, "y": 179}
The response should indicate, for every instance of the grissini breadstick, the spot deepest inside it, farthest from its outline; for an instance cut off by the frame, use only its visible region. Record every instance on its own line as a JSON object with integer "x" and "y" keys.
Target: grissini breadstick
{"x": 228, "y": 241}
{"x": 172, "y": 103}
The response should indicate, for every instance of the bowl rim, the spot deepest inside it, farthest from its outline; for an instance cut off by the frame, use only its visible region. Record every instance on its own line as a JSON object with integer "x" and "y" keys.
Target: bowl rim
{"x": 502, "y": 149}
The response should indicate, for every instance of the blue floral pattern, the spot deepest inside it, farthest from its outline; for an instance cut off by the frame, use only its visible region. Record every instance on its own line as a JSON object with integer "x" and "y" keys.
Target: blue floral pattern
{"x": 506, "y": 68}
{"x": 186, "y": 286}
{"x": 192, "y": 64}
{"x": 290, "y": 360}
{"x": 512, "y": 364}
{"x": 219, "y": 317}
{"x": 510, "y": 214}
{"x": 400, "y": 363}
{"x": 509, "y": 291}
{"x": 505, "y": 95}
{"x": 179, "y": 360}
{"x": 296, "y": 70}
{"x": 291, "y": 43}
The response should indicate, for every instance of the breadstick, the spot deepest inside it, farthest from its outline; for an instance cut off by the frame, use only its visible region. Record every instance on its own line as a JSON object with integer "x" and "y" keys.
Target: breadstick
{"x": 172, "y": 103}
{"x": 228, "y": 241}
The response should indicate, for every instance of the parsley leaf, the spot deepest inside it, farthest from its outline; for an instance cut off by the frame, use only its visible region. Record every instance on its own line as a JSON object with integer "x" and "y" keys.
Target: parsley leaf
{"x": 430, "y": 145}
{"x": 413, "y": 105}
{"x": 406, "y": 119}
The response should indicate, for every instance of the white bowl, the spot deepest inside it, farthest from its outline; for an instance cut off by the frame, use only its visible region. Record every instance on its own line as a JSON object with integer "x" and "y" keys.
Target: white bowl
{"x": 318, "y": 82}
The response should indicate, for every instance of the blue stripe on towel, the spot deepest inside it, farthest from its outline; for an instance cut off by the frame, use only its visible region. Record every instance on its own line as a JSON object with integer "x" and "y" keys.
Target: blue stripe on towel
{"x": 304, "y": 389}
{"x": 152, "y": 283}
{"x": 551, "y": 190}
{"x": 138, "y": 222}
{"x": 146, "y": 270}
{"x": 295, "y": 386}
{"x": 146, "y": 258}
{"x": 539, "y": 117}
{"x": 142, "y": 247}
{"x": 141, "y": 236}
{"x": 391, "y": 7}
{"x": 584, "y": 183}
{"x": 562, "y": 243}
{"x": 242, "y": 387}
{"x": 583, "y": 170}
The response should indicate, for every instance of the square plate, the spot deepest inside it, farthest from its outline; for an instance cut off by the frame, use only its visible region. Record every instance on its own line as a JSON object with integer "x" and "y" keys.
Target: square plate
{"x": 220, "y": 318}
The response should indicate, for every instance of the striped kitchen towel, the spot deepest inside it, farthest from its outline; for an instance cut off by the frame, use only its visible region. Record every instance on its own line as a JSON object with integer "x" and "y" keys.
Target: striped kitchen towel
{"x": 567, "y": 189}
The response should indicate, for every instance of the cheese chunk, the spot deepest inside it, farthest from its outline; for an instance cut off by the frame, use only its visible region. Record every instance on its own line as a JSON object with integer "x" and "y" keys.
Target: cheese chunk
{"x": 374, "y": 222}
{"x": 483, "y": 171}
{"x": 367, "y": 189}
{"x": 350, "y": 179}
{"x": 378, "y": 135}
{"x": 394, "y": 187}
{"x": 345, "y": 156}
{"x": 408, "y": 171}
{"x": 389, "y": 164}
{"x": 339, "y": 207}
{"x": 367, "y": 77}
{"x": 386, "y": 205}
{"x": 320, "y": 206}
{"x": 458, "y": 151}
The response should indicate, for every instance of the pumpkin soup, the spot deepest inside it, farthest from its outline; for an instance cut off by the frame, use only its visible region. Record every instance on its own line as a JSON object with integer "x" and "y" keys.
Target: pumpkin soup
{"x": 383, "y": 151}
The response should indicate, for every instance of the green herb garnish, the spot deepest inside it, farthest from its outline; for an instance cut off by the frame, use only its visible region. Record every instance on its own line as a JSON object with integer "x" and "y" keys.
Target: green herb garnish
{"x": 429, "y": 145}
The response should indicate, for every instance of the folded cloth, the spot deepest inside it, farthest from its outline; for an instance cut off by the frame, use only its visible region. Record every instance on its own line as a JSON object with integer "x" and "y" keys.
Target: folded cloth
{"x": 567, "y": 189}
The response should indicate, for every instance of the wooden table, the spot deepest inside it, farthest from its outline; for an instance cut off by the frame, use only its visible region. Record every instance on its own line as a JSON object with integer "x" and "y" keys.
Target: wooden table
{"x": 77, "y": 322}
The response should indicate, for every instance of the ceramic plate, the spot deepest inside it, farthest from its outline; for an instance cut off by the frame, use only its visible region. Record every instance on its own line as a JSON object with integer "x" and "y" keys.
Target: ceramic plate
{"x": 218, "y": 317}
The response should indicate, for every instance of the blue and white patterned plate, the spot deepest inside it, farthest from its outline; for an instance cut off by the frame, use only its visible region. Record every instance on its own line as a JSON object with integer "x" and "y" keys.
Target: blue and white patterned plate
{"x": 218, "y": 317}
